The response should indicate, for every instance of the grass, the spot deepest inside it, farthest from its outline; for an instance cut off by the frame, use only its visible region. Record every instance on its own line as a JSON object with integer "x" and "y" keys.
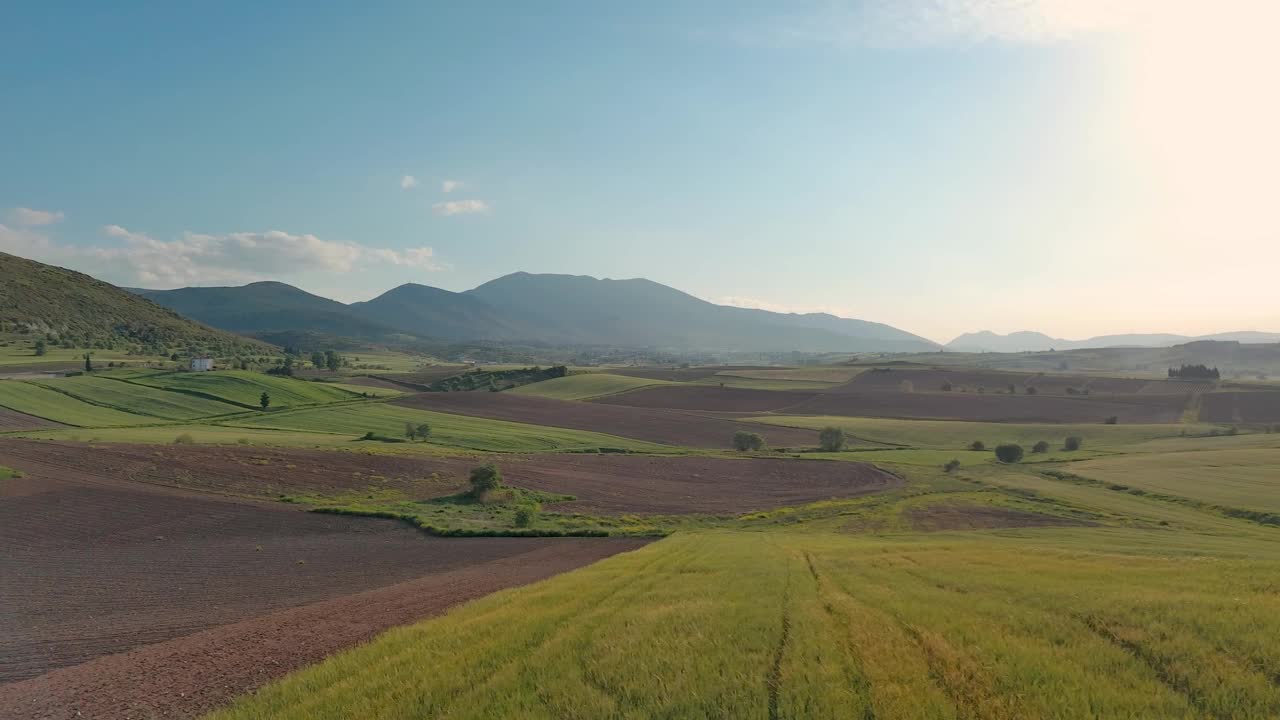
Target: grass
{"x": 129, "y": 397}
{"x": 209, "y": 435}
{"x": 8, "y": 473}
{"x": 732, "y": 624}
{"x": 1235, "y": 478}
{"x": 373, "y": 392}
{"x": 244, "y": 388}
{"x": 453, "y": 430}
{"x": 33, "y": 399}
{"x": 586, "y": 385}
{"x": 20, "y": 350}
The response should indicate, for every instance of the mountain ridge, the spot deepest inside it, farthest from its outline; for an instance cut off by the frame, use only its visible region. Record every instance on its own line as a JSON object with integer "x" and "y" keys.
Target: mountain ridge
{"x": 1032, "y": 341}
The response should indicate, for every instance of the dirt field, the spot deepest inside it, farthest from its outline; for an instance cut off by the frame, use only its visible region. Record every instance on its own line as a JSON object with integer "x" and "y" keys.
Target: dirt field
{"x": 1240, "y": 407}
{"x": 673, "y": 485}
{"x": 95, "y": 566}
{"x": 641, "y": 423}
{"x": 966, "y": 516}
{"x": 678, "y": 374}
{"x": 990, "y": 407}
{"x": 709, "y": 397}
{"x": 932, "y": 380}
{"x": 14, "y": 420}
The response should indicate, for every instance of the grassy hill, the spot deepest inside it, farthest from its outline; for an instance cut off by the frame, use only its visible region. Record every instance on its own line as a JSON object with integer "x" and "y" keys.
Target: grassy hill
{"x": 42, "y": 299}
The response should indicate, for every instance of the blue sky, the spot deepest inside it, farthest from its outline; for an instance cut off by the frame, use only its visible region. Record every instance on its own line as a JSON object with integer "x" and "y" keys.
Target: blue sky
{"x": 940, "y": 165}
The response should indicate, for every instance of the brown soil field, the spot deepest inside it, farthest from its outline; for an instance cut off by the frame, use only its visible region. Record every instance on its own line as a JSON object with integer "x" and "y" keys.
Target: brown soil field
{"x": 95, "y": 566}
{"x": 932, "y": 380}
{"x": 680, "y": 374}
{"x": 965, "y": 516}
{"x": 673, "y": 485}
{"x": 14, "y": 420}
{"x": 990, "y": 407}
{"x": 372, "y": 382}
{"x": 1240, "y": 407}
{"x": 710, "y": 398}
{"x": 640, "y": 423}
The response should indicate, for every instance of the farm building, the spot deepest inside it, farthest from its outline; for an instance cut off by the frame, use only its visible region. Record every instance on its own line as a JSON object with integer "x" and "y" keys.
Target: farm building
{"x": 201, "y": 364}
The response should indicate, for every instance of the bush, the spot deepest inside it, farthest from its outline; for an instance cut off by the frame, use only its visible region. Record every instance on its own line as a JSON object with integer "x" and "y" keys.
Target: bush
{"x": 484, "y": 480}
{"x": 525, "y": 515}
{"x": 946, "y": 387}
{"x": 1009, "y": 453}
{"x": 743, "y": 440}
{"x": 1031, "y": 390}
{"x": 1040, "y": 447}
{"x": 1073, "y": 443}
{"x": 1111, "y": 420}
{"x": 977, "y": 445}
{"x": 184, "y": 439}
{"x": 952, "y": 465}
{"x": 831, "y": 439}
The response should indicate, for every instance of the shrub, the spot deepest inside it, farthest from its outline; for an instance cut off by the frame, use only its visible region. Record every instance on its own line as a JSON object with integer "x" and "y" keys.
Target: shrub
{"x": 525, "y": 515}
{"x": 184, "y": 439}
{"x": 243, "y": 441}
{"x": 831, "y": 439}
{"x": 1031, "y": 390}
{"x": 743, "y": 440}
{"x": 952, "y": 465}
{"x": 424, "y": 431}
{"x": 977, "y": 445}
{"x": 1111, "y": 420}
{"x": 1009, "y": 453}
{"x": 1073, "y": 443}
{"x": 484, "y": 480}
{"x": 1040, "y": 447}
{"x": 946, "y": 387}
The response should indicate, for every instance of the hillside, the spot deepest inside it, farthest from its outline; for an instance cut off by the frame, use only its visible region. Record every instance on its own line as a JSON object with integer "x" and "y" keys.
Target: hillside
{"x": 51, "y": 300}
{"x": 267, "y": 307}
{"x": 543, "y": 310}
{"x": 1028, "y": 341}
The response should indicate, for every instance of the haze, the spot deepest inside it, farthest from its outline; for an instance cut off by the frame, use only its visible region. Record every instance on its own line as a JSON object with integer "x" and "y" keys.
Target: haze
{"x": 1073, "y": 167}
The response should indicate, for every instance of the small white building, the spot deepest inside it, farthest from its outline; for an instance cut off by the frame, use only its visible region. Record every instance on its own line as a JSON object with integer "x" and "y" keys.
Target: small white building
{"x": 201, "y": 364}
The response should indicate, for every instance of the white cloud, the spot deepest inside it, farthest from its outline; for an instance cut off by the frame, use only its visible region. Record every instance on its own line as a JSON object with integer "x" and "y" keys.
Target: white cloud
{"x": 451, "y": 185}
{"x": 28, "y": 216}
{"x": 460, "y": 207}
{"x": 133, "y": 258}
{"x": 918, "y": 23}
{"x": 408, "y": 182}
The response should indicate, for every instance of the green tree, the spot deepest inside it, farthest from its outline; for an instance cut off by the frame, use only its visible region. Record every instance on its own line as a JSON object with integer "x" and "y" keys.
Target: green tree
{"x": 951, "y": 466}
{"x": 832, "y": 439}
{"x": 1009, "y": 453}
{"x": 1040, "y": 447}
{"x": 264, "y": 400}
{"x": 484, "y": 480}
{"x": 424, "y": 431}
{"x": 332, "y": 360}
{"x": 743, "y": 441}
{"x": 1111, "y": 420}
{"x": 525, "y": 515}
{"x": 42, "y": 348}
{"x": 88, "y": 364}
{"x": 977, "y": 445}
{"x": 1073, "y": 443}
{"x": 317, "y": 359}
{"x": 410, "y": 431}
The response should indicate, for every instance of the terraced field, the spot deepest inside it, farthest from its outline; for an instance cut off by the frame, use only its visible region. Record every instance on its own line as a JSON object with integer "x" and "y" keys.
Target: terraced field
{"x": 472, "y": 433}
{"x": 584, "y": 386}
{"x": 41, "y": 402}
{"x": 139, "y": 399}
{"x": 244, "y": 388}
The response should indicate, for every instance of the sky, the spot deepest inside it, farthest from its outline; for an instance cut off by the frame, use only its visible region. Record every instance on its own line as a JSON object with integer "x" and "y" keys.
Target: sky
{"x": 1077, "y": 167}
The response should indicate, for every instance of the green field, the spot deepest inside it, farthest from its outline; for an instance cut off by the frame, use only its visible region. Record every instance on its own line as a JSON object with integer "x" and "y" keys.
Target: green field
{"x": 373, "y": 392}
{"x": 244, "y": 388}
{"x": 8, "y": 473}
{"x": 959, "y": 434}
{"x": 585, "y": 385}
{"x": 139, "y": 399}
{"x": 216, "y": 435}
{"x": 1233, "y": 478}
{"x": 822, "y": 625}
{"x": 42, "y": 402}
{"x": 20, "y": 350}
{"x": 473, "y": 433}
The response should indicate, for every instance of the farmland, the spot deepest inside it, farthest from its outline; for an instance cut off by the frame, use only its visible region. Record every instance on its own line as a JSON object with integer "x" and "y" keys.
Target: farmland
{"x": 784, "y": 582}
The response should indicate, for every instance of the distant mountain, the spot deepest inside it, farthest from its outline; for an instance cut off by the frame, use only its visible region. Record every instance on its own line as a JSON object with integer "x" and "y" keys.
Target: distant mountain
{"x": 548, "y": 310}
{"x": 68, "y": 304}
{"x": 1025, "y": 341}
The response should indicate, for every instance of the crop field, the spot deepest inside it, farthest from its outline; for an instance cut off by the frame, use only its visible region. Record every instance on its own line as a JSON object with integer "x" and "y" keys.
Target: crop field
{"x": 204, "y": 434}
{"x": 691, "y": 396}
{"x": 11, "y": 420}
{"x": 139, "y": 399}
{"x": 1247, "y": 478}
{"x": 32, "y": 399}
{"x": 245, "y": 388}
{"x": 833, "y": 375}
{"x": 733, "y": 381}
{"x": 1241, "y": 407}
{"x": 16, "y": 350}
{"x": 991, "y": 381}
{"x": 388, "y": 421}
{"x": 660, "y": 426}
{"x": 585, "y": 385}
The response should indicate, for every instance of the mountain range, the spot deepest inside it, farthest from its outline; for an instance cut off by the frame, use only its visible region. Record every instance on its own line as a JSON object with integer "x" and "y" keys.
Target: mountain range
{"x": 542, "y": 309}
{"x": 1029, "y": 341}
